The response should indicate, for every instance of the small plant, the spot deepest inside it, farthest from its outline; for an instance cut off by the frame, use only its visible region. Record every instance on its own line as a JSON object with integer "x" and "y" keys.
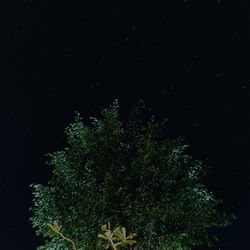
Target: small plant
{"x": 116, "y": 238}
{"x": 56, "y": 229}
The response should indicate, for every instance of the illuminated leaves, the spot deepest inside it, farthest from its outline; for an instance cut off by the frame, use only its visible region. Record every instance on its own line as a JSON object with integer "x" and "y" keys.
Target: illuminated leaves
{"x": 116, "y": 238}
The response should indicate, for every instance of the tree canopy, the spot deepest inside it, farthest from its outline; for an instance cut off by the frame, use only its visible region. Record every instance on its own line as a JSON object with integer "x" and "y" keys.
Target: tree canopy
{"x": 129, "y": 174}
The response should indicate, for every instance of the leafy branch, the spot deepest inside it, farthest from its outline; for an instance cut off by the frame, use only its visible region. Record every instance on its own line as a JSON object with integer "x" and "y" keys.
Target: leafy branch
{"x": 56, "y": 229}
{"x": 117, "y": 237}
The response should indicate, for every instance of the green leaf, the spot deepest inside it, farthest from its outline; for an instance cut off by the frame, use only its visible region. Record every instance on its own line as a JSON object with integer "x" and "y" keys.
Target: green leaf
{"x": 108, "y": 234}
{"x": 131, "y": 236}
{"x": 106, "y": 245}
{"x": 123, "y": 230}
{"x": 130, "y": 242}
{"x": 102, "y": 236}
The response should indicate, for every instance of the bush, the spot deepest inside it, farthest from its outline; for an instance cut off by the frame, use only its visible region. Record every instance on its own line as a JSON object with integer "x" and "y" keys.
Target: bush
{"x": 130, "y": 175}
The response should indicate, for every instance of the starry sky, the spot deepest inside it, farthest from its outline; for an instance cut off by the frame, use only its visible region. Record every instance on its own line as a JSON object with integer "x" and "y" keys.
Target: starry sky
{"x": 189, "y": 61}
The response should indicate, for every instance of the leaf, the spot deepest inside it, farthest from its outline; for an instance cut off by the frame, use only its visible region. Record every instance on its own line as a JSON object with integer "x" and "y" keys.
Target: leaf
{"x": 102, "y": 236}
{"x": 123, "y": 231}
{"x": 118, "y": 233}
{"x": 117, "y": 229}
{"x": 104, "y": 227}
{"x": 130, "y": 242}
{"x": 108, "y": 234}
{"x": 55, "y": 227}
{"x": 106, "y": 245}
{"x": 131, "y": 236}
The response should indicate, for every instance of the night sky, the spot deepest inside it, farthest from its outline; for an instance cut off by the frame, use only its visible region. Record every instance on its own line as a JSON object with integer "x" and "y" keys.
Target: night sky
{"x": 189, "y": 61}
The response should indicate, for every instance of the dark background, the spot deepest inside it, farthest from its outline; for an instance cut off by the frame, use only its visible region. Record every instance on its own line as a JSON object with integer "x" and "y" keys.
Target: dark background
{"x": 189, "y": 61}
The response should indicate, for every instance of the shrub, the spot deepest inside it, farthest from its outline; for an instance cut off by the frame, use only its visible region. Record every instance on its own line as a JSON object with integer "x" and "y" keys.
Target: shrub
{"x": 127, "y": 173}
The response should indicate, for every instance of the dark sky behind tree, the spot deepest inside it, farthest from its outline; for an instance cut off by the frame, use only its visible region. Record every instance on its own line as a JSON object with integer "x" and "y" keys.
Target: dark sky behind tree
{"x": 187, "y": 59}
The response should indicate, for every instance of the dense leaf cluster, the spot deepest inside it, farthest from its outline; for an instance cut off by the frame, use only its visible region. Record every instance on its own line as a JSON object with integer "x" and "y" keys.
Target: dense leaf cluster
{"x": 130, "y": 175}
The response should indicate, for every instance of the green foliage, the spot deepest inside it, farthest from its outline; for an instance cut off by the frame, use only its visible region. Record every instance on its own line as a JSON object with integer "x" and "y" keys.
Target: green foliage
{"x": 129, "y": 174}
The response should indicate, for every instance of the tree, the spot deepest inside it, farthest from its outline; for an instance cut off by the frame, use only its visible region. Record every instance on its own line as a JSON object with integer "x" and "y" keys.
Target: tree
{"x": 129, "y": 174}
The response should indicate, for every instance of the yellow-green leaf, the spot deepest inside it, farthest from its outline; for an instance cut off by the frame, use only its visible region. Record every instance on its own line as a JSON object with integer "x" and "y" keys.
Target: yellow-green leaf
{"x": 123, "y": 231}
{"x": 102, "y": 236}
